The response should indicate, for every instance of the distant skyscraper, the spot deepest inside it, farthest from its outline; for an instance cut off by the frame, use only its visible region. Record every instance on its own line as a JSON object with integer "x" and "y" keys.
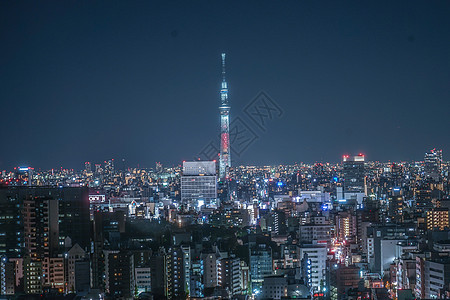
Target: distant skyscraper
{"x": 199, "y": 183}
{"x": 353, "y": 173}
{"x": 24, "y": 176}
{"x": 396, "y": 174}
{"x": 225, "y": 160}
{"x": 87, "y": 167}
{"x": 395, "y": 204}
{"x": 159, "y": 167}
{"x": 433, "y": 164}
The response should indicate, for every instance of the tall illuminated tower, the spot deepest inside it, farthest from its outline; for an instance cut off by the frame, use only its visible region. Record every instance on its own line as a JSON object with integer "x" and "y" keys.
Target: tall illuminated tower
{"x": 224, "y": 160}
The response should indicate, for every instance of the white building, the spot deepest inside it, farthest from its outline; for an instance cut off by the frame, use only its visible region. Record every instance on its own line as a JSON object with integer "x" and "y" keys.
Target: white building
{"x": 437, "y": 277}
{"x": 199, "y": 184}
{"x": 388, "y": 253}
{"x": 313, "y": 196}
{"x": 315, "y": 266}
{"x": 143, "y": 279}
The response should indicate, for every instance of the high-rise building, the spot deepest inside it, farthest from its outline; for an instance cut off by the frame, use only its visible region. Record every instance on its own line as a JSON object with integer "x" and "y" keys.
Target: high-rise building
{"x": 260, "y": 265}
{"x": 395, "y": 204}
{"x": 433, "y": 164}
{"x": 45, "y": 220}
{"x": 423, "y": 199}
{"x": 40, "y": 218}
{"x": 224, "y": 160}
{"x": 346, "y": 226}
{"x": 119, "y": 271}
{"x": 199, "y": 184}
{"x": 11, "y": 224}
{"x": 245, "y": 278}
{"x": 354, "y": 176}
{"x": 396, "y": 175}
{"x": 24, "y": 176}
{"x": 158, "y": 167}
{"x": 381, "y": 243}
{"x": 87, "y": 167}
{"x": 178, "y": 264}
{"x": 158, "y": 278}
{"x": 230, "y": 274}
{"x": 109, "y": 166}
{"x": 313, "y": 265}
{"x": 438, "y": 218}
{"x": 53, "y": 273}
{"x": 74, "y": 216}
{"x": 196, "y": 276}
{"x": 7, "y": 276}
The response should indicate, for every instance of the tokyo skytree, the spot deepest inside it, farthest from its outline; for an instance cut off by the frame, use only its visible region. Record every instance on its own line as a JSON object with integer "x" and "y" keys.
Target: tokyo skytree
{"x": 225, "y": 159}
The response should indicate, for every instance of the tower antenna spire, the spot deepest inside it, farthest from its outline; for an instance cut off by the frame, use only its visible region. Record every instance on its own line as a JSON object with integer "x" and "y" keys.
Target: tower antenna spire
{"x": 224, "y": 90}
{"x": 223, "y": 67}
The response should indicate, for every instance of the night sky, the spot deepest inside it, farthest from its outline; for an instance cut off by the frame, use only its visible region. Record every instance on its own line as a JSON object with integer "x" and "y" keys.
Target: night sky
{"x": 92, "y": 80}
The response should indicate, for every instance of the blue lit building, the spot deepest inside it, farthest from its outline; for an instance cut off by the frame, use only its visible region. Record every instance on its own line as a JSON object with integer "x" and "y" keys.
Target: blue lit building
{"x": 260, "y": 265}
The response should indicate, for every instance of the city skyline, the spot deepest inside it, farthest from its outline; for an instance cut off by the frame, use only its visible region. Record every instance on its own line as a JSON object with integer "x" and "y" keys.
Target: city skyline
{"x": 123, "y": 167}
{"x": 242, "y": 150}
{"x": 318, "y": 231}
{"x": 346, "y": 84}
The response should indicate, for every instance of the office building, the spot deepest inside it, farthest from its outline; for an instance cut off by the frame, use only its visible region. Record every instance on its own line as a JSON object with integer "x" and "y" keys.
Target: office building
{"x": 433, "y": 165}
{"x": 199, "y": 184}
{"x": 354, "y": 174}
{"x": 260, "y": 265}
